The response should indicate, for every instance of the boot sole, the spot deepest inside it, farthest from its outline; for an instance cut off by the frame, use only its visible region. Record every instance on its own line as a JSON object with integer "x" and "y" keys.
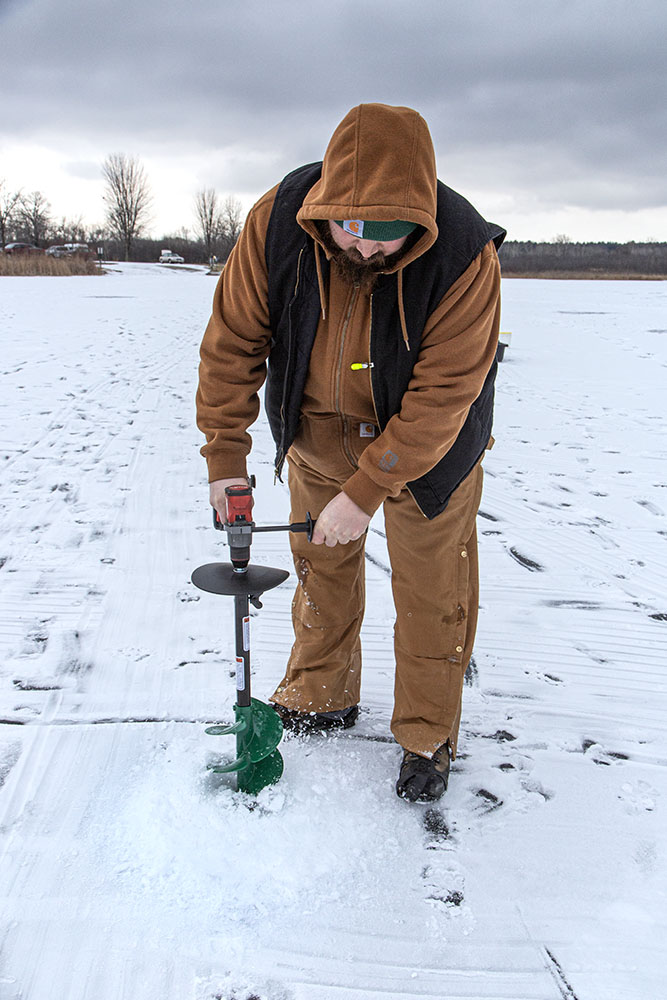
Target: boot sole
{"x": 303, "y": 724}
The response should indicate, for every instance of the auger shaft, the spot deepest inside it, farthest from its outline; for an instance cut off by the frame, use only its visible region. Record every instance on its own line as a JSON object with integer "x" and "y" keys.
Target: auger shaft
{"x": 257, "y": 727}
{"x": 242, "y": 628}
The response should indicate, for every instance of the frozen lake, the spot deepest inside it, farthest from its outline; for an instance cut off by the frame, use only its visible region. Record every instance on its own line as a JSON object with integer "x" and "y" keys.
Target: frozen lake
{"x": 126, "y": 872}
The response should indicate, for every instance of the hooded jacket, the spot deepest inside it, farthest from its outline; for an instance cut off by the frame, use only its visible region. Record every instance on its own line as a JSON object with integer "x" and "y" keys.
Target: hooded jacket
{"x": 438, "y": 305}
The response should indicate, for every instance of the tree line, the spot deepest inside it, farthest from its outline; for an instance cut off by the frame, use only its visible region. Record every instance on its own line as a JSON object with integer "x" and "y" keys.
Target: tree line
{"x": 127, "y": 198}
{"x": 563, "y": 257}
{"x": 217, "y": 223}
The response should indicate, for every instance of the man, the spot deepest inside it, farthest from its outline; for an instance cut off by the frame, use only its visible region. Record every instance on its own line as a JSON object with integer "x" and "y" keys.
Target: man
{"x": 372, "y": 291}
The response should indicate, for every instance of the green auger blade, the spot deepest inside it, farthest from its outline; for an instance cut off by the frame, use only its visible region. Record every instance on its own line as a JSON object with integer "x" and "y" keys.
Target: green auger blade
{"x": 239, "y": 764}
{"x": 235, "y": 727}
{"x": 258, "y": 731}
{"x": 264, "y": 731}
{"x": 255, "y": 777}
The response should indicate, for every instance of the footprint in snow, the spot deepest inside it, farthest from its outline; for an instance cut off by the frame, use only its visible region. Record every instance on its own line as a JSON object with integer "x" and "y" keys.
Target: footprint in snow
{"x": 471, "y": 676}
{"x": 489, "y": 801}
{"x": 646, "y": 857}
{"x": 529, "y": 564}
{"x": 576, "y": 604}
{"x": 450, "y": 897}
{"x": 27, "y": 684}
{"x": 545, "y": 678}
{"x": 185, "y": 597}
{"x": 436, "y": 828}
{"x": 443, "y": 881}
{"x": 274, "y": 992}
{"x": 9, "y": 757}
{"x": 652, "y": 508}
{"x": 638, "y": 797}
{"x": 599, "y": 755}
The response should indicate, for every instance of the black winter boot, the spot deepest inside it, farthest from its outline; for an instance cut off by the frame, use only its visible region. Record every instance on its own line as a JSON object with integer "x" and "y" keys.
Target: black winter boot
{"x": 303, "y": 723}
{"x": 421, "y": 779}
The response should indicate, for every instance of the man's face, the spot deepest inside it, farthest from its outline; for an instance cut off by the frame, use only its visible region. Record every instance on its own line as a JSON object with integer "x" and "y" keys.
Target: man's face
{"x": 359, "y": 261}
{"x": 364, "y": 251}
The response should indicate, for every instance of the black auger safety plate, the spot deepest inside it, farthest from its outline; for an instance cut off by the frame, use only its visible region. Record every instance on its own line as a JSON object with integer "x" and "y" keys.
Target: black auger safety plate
{"x": 221, "y": 578}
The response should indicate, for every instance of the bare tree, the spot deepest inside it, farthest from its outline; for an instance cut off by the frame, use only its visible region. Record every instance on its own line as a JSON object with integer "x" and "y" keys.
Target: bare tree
{"x": 208, "y": 218}
{"x": 127, "y": 198}
{"x": 231, "y": 224}
{"x": 10, "y": 203}
{"x": 35, "y": 216}
{"x": 96, "y": 234}
{"x": 69, "y": 230}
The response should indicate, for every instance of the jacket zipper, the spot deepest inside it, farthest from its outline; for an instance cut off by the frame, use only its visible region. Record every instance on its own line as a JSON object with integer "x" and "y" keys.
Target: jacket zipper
{"x": 280, "y": 456}
{"x": 337, "y": 407}
{"x": 370, "y": 358}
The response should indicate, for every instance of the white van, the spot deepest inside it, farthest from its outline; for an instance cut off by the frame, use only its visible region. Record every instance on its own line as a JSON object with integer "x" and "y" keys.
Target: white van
{"x": 168, "y": 257}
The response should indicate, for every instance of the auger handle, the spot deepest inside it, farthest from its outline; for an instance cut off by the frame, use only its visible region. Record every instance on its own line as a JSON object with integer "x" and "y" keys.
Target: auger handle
{"x": 307, "y": 526}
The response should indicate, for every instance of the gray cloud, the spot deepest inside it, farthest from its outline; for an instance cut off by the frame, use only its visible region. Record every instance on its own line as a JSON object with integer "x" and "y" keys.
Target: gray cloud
{"x": 564, "y": 99}
{"x": 85, "y": 170}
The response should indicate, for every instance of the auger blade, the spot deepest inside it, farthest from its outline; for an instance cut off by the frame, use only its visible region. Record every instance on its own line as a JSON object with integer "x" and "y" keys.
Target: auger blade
{"x": 230, "y": 730}
{"x": 264, "y": 732}
{"x": 258, "y": 731}
{"x": 255, "y": 777}
{"x": 240, "y": 764}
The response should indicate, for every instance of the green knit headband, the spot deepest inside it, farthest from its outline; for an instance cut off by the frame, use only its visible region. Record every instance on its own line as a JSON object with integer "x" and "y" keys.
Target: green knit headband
{"x": 379, "y": 232}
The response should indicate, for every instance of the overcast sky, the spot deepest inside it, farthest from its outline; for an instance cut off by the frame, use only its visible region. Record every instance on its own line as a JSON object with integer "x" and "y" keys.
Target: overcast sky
{"x": 551, "y": 117}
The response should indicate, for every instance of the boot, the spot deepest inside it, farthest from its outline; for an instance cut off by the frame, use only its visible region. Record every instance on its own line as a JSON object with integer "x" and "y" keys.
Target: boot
{"x": 303, "y": 723}
{"x": 422, "y": 779}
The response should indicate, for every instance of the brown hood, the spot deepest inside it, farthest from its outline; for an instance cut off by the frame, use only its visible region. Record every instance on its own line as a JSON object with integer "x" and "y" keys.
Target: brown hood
{"x": 379, "y": 165}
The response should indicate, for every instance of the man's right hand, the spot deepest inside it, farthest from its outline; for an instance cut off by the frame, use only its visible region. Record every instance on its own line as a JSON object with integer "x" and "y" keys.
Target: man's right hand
{"x": 216, "y": 493}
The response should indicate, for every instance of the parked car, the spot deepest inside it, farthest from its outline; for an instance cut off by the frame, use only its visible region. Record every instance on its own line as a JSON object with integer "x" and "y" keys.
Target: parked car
{"x": 68, "y": 250}
{"x": 22, "y": 248}
{"x": 168, "y": 257}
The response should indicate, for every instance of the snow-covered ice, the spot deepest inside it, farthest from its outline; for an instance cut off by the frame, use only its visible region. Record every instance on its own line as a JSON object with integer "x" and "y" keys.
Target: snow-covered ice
{"x": 127, "y": 871}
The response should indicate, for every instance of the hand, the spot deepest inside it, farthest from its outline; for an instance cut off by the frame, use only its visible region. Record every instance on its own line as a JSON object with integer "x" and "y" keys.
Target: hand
{"x": 216, "y": 493}
{"x": 340, "y": 522}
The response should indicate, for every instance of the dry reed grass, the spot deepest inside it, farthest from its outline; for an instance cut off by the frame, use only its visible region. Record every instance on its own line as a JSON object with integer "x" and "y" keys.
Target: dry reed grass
{"x": 27, "y": 265}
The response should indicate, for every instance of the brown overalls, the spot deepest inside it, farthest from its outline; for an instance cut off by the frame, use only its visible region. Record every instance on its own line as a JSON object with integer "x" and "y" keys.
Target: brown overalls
{"x": 435, "y": 588}
{"x": 379, "y": 165}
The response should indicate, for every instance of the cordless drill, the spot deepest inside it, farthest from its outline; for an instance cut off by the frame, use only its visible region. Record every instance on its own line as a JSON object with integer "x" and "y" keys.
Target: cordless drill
{"x": 238, "y": 524}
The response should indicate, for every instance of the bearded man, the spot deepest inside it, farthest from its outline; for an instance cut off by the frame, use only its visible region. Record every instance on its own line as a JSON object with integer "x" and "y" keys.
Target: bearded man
{"x": 368, "y": 294}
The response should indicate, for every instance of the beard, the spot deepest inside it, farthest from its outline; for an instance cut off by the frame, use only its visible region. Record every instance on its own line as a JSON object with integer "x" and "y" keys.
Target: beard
{"x": 352, "y": 267}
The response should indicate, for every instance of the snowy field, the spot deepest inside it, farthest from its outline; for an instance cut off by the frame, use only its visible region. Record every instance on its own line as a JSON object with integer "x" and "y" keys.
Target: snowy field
{"x": 128, "y": 874}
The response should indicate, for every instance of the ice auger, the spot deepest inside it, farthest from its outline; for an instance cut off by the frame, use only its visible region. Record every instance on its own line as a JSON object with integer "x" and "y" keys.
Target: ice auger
{"x": 257, "y": 727}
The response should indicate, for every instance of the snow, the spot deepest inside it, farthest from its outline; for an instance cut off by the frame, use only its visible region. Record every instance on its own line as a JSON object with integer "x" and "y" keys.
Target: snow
{"x": 128, "y": 870}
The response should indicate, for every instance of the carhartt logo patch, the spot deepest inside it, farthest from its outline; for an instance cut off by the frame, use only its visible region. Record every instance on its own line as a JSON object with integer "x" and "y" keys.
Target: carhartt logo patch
{"x": 355, "y": 227}
{"x": 367, "y": 430}
{"x": 388, "y": 461}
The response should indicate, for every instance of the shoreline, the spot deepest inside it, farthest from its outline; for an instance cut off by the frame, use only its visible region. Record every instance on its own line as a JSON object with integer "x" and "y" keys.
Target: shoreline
{"x": 582, "y": 276}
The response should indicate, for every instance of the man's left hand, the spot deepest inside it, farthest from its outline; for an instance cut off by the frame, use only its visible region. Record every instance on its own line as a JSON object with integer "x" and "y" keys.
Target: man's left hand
{"x": 340, "y": 522}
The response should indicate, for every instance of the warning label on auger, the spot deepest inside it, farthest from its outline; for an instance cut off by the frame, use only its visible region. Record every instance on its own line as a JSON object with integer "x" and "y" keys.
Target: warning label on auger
{"x": 240, "y": 681}
{"x": 246, "y": 633}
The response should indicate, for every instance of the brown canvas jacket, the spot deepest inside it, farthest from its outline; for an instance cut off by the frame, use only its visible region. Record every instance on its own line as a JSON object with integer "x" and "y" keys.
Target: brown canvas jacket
{"x": 458, "y": 343}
